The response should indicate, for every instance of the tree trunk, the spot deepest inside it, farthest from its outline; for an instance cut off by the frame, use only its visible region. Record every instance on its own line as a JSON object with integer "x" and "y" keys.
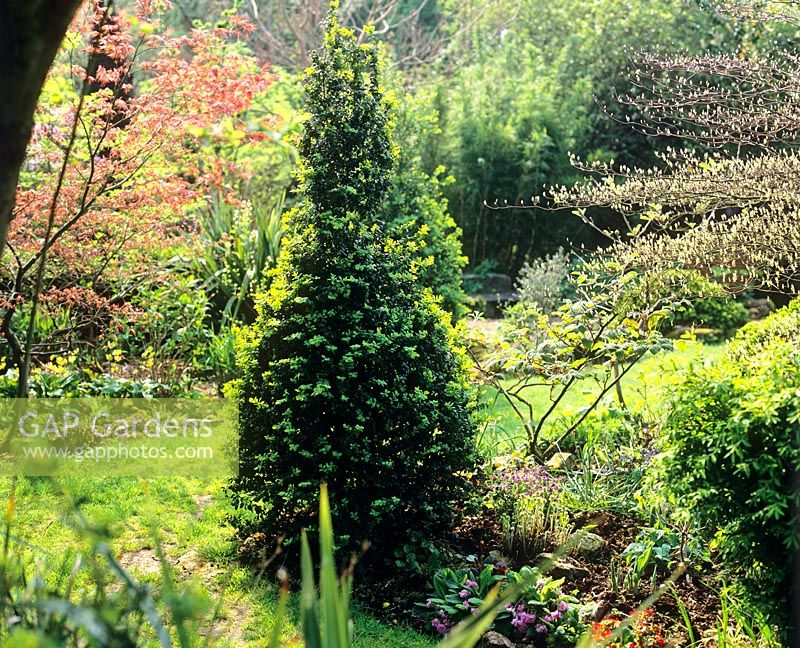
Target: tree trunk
{"x": 31, "y": 32}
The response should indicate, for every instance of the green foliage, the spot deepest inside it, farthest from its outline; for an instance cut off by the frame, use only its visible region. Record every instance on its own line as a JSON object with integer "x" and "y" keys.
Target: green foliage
{"x": 724, "y": 314}
{"x": 352, "y": 375}
{"x": 742, "y": 626}
{"x": 537, "y": 609}
{"x": 503, "y": 140}
{"x": 325, "y": 616}
{"x": 607, "y": 475}
{"x": 731, "y": 457}
{"x": 273, "y": 160}
{"x": 238, "y": 246}
{"x": 782, "y": 326}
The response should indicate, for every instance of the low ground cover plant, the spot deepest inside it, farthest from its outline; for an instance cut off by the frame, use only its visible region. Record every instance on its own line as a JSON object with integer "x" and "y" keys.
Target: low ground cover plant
{"x": 540, "y": 611}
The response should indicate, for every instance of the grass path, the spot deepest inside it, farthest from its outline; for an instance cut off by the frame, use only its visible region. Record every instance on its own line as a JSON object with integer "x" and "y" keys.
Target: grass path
{"x": 189, "y": 518}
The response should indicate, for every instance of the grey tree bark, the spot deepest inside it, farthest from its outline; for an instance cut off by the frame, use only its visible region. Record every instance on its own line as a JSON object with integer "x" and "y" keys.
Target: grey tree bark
{"x": 30, "y": 34}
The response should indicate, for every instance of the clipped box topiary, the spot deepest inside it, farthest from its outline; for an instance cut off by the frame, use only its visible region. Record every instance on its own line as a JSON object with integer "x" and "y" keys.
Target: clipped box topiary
{"x": 353, "y": 375}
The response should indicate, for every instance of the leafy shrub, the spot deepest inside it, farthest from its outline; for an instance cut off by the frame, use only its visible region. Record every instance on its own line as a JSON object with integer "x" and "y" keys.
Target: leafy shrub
{"x": 731, "y": 456}
{"x": 540, "y": 610}
{"x": 415, "y": 211}
{"x": 238, "y": 246}
{"x": 781, "y": 326}
{"x": 351, "y": 373}
{"x": 541, "y": 282}
{"x": 724, "y": 314}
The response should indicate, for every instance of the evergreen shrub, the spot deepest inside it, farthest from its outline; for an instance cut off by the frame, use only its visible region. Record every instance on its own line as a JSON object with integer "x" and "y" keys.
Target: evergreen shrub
{"x": 353, "y": 375}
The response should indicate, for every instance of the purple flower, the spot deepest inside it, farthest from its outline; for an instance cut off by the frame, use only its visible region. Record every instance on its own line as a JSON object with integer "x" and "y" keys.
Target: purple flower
{"x": 429, "y": 604}
{"x": 471, "y": 583}
{"x": 563, "y": 606}
{"x": 464, "y": 594}
{"x": 440, "y": 627}
{"x": 541, "y": 628}
{"x": 521, "y": 619}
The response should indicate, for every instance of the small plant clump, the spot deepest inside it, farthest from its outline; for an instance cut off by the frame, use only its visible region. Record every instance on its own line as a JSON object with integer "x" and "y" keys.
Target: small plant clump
{"x": 542, "y": 282}
{"x": 641, "y": 632}
{"x": 541, "y": 611}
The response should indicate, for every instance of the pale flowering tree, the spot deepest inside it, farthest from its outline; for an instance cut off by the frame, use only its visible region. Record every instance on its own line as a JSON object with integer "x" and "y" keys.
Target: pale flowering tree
{"x": 727, "y": 204}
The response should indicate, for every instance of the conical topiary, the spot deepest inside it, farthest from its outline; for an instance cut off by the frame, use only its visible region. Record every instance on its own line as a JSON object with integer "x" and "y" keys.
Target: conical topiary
{"x": 353, "y": 376}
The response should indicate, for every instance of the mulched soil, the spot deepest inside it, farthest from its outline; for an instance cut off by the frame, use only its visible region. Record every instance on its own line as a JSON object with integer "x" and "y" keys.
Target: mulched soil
{"x": 701, "y": 602}
{"x": 481, "y": 535}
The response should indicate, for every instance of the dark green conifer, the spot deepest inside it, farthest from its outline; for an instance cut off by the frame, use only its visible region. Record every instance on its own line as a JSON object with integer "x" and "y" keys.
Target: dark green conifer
{"x": 353, "y": 375}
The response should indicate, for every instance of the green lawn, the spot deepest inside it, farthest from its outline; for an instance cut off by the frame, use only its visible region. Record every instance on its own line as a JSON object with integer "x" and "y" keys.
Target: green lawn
{"x": 189, "y": 518}
{"x": 645, "y": 388}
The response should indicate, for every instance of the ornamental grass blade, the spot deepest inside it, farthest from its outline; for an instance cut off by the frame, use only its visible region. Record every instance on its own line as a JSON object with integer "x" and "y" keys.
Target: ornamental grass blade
{"x": 280, "y": 619}
{"x": 309, "y": 607}
{"x": 334, "y": 601}
{"x": 89, "y": 620}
